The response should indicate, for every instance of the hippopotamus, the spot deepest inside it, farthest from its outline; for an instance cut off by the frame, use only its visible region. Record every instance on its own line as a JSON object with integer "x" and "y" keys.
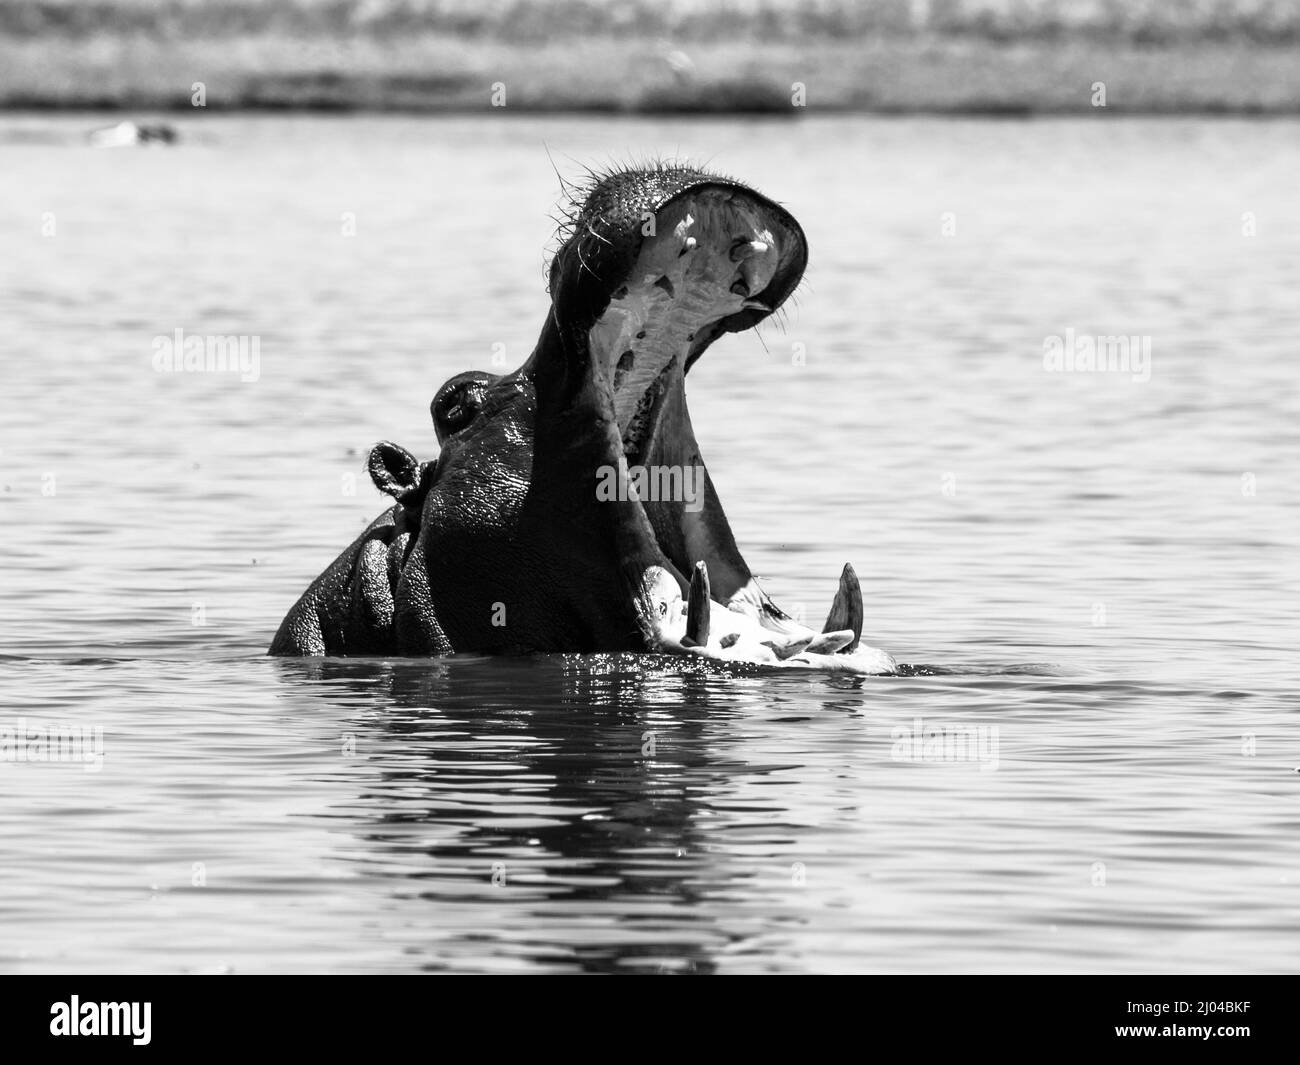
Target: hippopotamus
{"x": 569, "y": 508}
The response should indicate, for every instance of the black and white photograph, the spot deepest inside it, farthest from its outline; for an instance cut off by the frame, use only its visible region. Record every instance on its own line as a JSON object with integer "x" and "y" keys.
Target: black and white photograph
{"x": 691, "y": 487}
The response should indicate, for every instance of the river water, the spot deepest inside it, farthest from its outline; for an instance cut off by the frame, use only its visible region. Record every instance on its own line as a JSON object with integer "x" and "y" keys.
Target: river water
{"x": 1097, "y": 773}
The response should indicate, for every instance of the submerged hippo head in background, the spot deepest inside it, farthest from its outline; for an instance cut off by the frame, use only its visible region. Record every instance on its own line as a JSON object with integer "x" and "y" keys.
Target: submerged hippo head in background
{"x": 569, "y": 508}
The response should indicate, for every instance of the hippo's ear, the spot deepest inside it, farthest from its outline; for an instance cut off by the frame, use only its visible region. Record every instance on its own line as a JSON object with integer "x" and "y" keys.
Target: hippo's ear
{"x": 393, "y": 469}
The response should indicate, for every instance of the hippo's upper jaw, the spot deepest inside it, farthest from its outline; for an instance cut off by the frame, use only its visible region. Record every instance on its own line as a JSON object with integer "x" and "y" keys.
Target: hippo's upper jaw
{"x": 570, "y": 509}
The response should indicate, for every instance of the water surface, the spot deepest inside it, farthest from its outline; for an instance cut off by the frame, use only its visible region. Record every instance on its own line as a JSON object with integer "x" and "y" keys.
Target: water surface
{"x": 1101, "y": 571}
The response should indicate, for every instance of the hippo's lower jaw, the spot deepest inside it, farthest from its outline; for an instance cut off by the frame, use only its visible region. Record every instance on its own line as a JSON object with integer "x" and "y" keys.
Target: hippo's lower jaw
{"x": 701, "y": 626}
{"x": 570, "y": 509}
{"x": 712, "y": 250}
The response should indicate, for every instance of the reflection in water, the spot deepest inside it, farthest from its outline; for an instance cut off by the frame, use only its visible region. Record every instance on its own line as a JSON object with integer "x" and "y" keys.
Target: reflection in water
{"x": 568, "y": 785}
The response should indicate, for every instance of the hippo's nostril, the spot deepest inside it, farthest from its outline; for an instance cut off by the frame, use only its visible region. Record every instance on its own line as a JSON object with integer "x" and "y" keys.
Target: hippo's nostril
{"x": 740, "y": 289}
{"x": 667, "y": 286}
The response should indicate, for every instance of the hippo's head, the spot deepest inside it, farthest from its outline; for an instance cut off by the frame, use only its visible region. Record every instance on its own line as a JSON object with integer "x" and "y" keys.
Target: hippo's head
{"x": 570, "y": 508}
{"x": 656, "y": 264}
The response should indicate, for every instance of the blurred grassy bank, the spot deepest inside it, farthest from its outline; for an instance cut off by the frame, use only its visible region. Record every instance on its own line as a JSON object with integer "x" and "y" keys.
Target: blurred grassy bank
{"x": 942, "y": 56}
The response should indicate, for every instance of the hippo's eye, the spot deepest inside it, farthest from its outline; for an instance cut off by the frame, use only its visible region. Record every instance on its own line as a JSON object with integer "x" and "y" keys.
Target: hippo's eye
{"x": 454, "y": 410}
{"x": 458, "y": 415}
{"x": 460, "y": 401}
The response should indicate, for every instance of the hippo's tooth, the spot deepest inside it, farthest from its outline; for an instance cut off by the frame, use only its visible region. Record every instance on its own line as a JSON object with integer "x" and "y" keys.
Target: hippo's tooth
{"x": 697, "y": 610}
{"x": 788, "y": 647}
{"x": 830, "y": 642}
{"x": 687, "y": 245}
{"x": 846, "y": 610}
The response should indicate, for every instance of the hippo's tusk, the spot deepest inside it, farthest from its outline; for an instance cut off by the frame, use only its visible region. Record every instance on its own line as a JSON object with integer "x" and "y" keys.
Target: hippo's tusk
{"x": 698, "y": 607}
{"x": 846, "y": 610}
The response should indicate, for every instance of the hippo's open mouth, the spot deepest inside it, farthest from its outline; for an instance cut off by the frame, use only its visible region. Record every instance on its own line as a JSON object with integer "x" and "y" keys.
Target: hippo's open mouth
{"x": 570, "y": 508}
{"x": 713, "y": 255}
{"x": 717, "y": 258}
